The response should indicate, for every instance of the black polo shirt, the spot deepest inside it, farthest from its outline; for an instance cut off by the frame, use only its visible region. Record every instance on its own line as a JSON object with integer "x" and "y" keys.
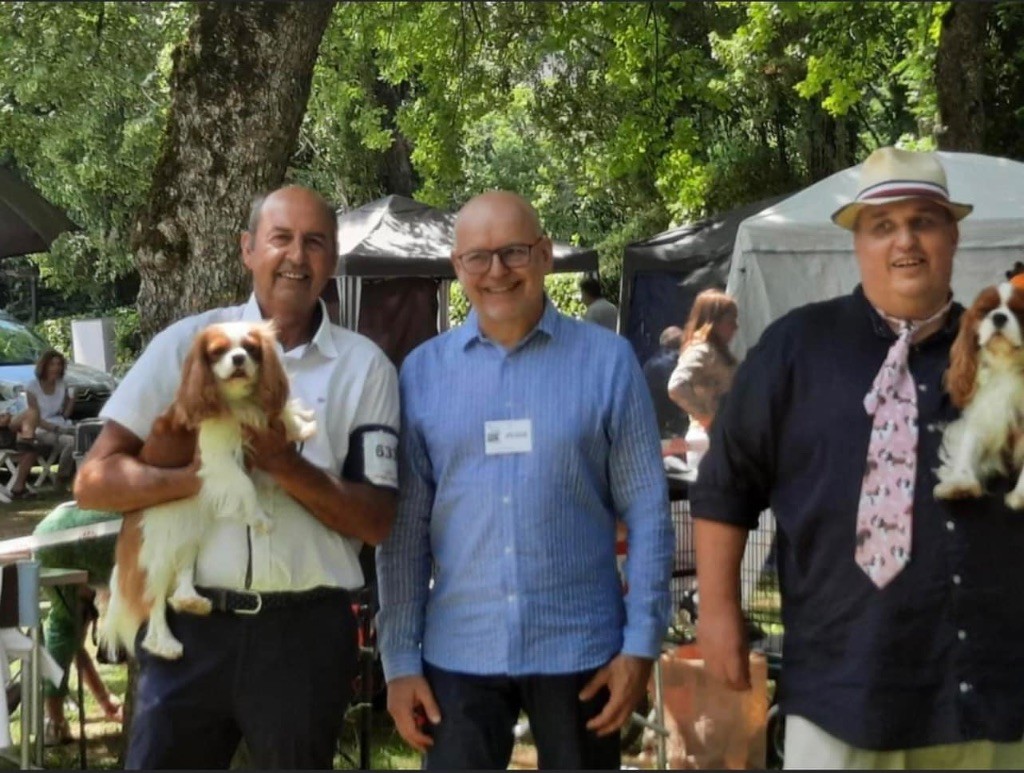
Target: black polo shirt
{"x": 938, "y": 655}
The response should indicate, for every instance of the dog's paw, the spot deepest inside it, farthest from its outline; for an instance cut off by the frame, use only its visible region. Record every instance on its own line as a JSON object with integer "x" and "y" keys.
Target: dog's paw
{"x": 1015, "y": 500}
{"x": 191, "y": 605}
{"x": 963, "y": 488}
{"x": 166, "y": 647}
{"x": 305, "y": 429}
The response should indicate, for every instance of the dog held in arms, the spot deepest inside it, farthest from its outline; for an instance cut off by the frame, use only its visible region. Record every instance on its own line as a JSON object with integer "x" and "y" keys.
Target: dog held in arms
{"x": 232, "y": 379}
{"x": 986, "y": 381}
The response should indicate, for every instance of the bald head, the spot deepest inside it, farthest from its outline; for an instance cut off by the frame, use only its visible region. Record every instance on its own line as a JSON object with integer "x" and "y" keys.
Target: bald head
{"x": 496, "y": 210}
{"x": 308, "y": 195}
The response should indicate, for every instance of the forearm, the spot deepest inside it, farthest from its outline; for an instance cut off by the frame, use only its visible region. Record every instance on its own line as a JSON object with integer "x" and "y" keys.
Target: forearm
{"x": 403, "y": 571}
{"x": 649, "y": 570}
{"x": 719, "y": 548}
{"x": 357, "y": 510}
{"x": 121, "y": 483}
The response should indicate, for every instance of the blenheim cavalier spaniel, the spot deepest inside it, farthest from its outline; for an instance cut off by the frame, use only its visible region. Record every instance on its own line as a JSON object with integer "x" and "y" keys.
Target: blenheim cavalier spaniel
{"x": 231, "y": 379}
{"x": 986, "y": 381}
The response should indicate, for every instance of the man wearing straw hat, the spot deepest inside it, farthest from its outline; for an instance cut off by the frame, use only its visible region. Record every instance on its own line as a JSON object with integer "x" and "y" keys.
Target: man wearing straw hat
{"x": 904, "y": 615}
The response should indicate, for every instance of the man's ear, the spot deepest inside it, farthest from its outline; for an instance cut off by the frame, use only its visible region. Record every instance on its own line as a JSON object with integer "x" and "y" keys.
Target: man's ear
{"x": 547, "y": 254}
{"x": 246, "y": 242}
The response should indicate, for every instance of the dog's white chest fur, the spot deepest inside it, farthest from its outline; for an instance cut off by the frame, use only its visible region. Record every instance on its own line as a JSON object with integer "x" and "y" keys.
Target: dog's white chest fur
{"x": 988, "y": 439}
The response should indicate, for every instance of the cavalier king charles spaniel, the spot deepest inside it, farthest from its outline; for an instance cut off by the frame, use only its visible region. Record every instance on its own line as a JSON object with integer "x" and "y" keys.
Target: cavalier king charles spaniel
{"x": 986, "y": 381}
{"x": 232, "y": 379}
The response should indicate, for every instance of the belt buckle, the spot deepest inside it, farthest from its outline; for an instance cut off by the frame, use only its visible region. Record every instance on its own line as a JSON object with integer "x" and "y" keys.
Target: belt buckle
{"x": 259, "y": 602}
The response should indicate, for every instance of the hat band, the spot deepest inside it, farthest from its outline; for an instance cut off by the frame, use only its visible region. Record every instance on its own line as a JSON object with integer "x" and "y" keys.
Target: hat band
{"x": 903, "y": 189}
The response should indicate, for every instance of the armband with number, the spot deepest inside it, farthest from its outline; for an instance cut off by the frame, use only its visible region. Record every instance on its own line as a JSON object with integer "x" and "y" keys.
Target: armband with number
{"x": 372, "y": 456}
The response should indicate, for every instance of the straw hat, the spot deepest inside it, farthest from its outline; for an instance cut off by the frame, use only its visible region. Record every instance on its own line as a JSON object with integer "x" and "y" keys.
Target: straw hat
{"x": 890, "y": 174}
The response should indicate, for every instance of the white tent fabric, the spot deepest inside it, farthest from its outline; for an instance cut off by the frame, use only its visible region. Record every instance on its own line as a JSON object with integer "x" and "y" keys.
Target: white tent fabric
{"x": 792, "y": 254}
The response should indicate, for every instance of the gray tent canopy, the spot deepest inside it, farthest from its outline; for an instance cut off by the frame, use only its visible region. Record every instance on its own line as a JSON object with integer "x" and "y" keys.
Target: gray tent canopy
{"x": 661, "y": 275}
{"x": 399, "y": 237}
{"x": 28, "y": 222}
{"x": 394, "y": 271}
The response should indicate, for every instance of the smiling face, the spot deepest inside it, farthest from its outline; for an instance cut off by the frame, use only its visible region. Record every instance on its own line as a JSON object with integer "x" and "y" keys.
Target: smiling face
{"x": 508, "y": 301}
{"x": 905, "y": 252}
{"x": 292, "y": 252}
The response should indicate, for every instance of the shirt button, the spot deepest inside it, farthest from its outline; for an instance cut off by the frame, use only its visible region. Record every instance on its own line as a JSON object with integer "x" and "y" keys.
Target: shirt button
{"x": 506, "y": 499}
{"x": 922, "y": 387}
{"x": 961, "y": 634}
{"x": 956, "y": 579}
{"x": 511, "y": 598}
{"x": 508, "y": 550}
{"x": 965, "y": 687}
{"x": 950, "y": 526}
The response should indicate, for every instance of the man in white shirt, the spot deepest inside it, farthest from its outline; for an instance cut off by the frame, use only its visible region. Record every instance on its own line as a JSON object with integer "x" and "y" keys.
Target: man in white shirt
{"x": 274, "y": 663}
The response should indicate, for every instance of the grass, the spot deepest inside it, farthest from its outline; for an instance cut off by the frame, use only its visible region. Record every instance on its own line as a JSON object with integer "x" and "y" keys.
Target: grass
{"x": 104, "y": 738}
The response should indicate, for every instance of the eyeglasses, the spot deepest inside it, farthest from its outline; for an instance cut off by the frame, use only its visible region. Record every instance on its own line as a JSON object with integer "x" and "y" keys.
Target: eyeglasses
{"x": 512, "y": 256}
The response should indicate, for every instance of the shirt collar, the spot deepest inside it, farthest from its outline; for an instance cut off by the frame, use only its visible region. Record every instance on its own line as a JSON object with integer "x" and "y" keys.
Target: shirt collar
{"x": 322, "y": 338}
{"x": 883, "y": 329}
{"x": 469, "y": 333}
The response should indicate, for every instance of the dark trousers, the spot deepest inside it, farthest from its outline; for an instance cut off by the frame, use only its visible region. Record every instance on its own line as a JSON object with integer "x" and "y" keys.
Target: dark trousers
{"x": 281, "y": 679}
{"x": 478, "y": 714}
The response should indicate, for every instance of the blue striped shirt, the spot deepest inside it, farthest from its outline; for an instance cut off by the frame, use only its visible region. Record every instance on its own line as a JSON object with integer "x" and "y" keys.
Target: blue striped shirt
{"x": 521, "y": 546}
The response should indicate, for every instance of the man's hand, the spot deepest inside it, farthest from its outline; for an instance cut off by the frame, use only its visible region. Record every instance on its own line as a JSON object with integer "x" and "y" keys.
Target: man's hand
{"x": 722, "y": 638}
{"x": 626, "y": 677}
{"x": 270, "y": 450}
{"x": 411, "y": 703}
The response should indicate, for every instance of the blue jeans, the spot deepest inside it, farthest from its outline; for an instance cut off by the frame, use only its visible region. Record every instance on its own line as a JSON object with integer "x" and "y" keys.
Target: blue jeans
{"x": 281, "y": 680}
{"x": 478, "y": 714}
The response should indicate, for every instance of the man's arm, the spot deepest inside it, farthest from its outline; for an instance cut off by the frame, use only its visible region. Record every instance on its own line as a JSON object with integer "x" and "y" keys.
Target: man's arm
{"x": 721, "y": 631}
{"x": 358, "y": 510}
{"x": 115, "y": 479}
{"x": 640, "y": 497}
{"x": 733, "y": 487}
{"x": 404, "y": 566}
{"x": 352, "y": 502}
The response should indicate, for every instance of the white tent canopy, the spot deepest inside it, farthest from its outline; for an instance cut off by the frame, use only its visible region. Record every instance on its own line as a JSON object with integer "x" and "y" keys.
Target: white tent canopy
{"x": 792, "y": 254}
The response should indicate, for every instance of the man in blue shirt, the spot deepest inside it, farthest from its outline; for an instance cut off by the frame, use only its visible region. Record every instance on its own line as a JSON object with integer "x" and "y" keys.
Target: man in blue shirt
{"x": 889, "y": 663}
{"x": 526, "y": 436}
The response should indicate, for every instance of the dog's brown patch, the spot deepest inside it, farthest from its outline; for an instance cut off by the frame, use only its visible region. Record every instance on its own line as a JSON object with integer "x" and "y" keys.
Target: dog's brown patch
{"x": 165, "y": 447}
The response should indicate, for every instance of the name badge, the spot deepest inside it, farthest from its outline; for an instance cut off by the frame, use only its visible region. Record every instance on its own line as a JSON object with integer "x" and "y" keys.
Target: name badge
{"x": 513, "y": 436}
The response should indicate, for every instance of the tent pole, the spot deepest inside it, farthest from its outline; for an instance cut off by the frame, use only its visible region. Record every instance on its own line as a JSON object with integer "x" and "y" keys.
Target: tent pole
{"x": 444, "y": 291}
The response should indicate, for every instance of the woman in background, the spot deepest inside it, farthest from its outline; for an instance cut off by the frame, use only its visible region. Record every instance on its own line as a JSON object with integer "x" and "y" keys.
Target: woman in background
{"x": 706, "y": 366}
{"x": 50, "y": 405}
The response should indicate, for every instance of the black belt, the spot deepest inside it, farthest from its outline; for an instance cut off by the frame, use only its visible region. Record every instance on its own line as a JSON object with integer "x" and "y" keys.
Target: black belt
{"x": 251, "y": 602}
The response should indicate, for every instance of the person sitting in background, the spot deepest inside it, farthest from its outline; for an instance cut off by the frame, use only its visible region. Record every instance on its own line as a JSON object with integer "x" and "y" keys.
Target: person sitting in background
{"x": 706, "y": 366}
{"x": 17, "y": 430}
{"x": 48, "y": 420}
{"x": 672, "y": 420}
{"x": 600, "y": 311}
{"x": 96, "y": 556}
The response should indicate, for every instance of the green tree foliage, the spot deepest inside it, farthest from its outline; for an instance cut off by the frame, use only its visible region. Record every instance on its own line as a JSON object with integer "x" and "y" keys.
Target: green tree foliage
{"x": 615, "y": 119}
{"x": 83, "y": 99}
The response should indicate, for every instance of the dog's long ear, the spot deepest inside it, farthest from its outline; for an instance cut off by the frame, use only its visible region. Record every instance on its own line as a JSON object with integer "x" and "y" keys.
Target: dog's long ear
{"x": 961, "y": 377}
{"x": 198, "y": 397}
{"x": 273, "y": 387}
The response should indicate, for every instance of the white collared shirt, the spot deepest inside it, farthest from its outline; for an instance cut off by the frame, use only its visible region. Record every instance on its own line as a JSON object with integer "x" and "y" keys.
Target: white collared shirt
{"x": 345, "y": 379}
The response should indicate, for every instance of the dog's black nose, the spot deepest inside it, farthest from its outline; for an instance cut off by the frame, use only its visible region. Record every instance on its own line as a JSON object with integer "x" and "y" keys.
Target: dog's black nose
{"x": 999, "y": 319}
{"x": 238, "y": 359}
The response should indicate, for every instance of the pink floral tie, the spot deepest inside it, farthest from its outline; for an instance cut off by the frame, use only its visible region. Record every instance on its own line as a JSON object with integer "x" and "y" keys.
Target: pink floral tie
{"x": 886, "y": 506}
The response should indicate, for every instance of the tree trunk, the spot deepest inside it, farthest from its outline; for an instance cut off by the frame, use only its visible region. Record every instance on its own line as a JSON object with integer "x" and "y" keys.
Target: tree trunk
{"x": 826, "y": 141}
{"x": 396, "y": 171}
{"x": 960, "y": 76}
{"x": 239, "y": 90}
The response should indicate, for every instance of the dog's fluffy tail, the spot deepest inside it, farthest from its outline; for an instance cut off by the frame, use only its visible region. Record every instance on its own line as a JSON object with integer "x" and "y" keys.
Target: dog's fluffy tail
{"x": 121, "y": 624}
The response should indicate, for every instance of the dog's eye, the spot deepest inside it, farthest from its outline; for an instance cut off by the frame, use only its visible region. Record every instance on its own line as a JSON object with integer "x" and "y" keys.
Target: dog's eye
{"x": 216, "y": 352}
{"x": 253, "y": 350}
